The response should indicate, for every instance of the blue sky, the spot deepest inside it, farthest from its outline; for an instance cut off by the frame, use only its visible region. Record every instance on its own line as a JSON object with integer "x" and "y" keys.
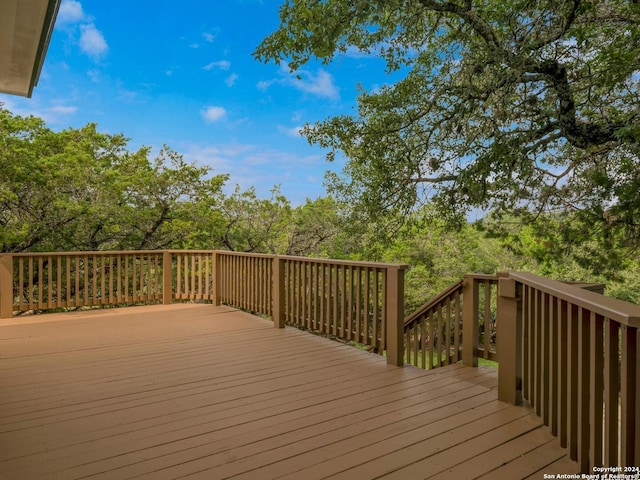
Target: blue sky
{"x": 182, "y": 74}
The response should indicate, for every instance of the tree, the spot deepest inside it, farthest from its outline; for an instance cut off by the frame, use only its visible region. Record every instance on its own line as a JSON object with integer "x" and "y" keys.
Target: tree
{"x": 507, "y": 105}
{"x": 252, "y": 224}
{"x": 79, "y": 189}
{"x": 314, "y": 228}
{"x": 273, "y": 226}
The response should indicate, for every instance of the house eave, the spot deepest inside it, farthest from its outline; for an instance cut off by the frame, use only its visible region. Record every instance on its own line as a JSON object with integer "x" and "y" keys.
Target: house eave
{"x": 25, "y": 33}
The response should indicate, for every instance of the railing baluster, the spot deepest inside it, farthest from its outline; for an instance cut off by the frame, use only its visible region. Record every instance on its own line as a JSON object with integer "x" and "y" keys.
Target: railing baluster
{"x": 40, "y": 303}
{"x": 416, "y": 345}
{"x": 611, "y": 387}
{"x": 596, "y": 387}
{"x": 537, "y": 352}
{"x": 629, "y": 402}
{"x": 68, "y": 281}
{"x": 102, "y": 279}
{"x": 562, "y": 378}
{"x": 573, "y": 374}
{"x": 59, "y": 282}
{"x": 487, "y": 319}
{"x": 526, "y": 343}
{"x": 307, "y": 319}
{"x": 358, "y": 305}
{"x": 545, "y": 344}
{"x": 554, "y": 366}
{"x": 350, "y": 304}
{"x": 343, "y": 301}
{"x": 457, "y": 321}
{"x": 334, "y": 302}
{"x": 583, "y": 388}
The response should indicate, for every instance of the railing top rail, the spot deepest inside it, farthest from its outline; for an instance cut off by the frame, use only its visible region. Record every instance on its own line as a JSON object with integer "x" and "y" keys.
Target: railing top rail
{"x": 224, "y": 252}
{"x": 400, "y": 266}
{"x": 318, "y": 260}
{"x": 482, "y": 276}
{"x": 189, "y": 251}
{"x": 85, "y": 252}
{"x": 618, "y": 310}
{"x": 434, "y": 301}
{"x": 239, "y": 254}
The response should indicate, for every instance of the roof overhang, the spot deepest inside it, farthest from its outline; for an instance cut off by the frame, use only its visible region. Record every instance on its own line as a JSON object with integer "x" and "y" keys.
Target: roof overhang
{"x": 25, "y": 31}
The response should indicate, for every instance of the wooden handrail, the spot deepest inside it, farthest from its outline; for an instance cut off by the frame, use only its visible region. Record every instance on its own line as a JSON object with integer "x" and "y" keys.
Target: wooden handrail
{"x": 421, "y": 310}
{"x": 93, "y": 252}
{"x": 369, "y": 294}
{"x": 618, "y": 310}
{"x": 447, "y": 328}
{"x": 576, "y": 361}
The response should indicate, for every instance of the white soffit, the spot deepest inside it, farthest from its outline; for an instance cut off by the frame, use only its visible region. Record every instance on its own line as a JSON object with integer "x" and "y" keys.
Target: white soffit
{"x": 25, "y": 30}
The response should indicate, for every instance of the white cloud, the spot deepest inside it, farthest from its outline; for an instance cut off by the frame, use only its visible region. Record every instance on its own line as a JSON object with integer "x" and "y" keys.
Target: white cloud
{"x": 231, "y": 80}
{"x": 209, "y": 37}
{"x": 73, "y": 19}
{"x": 320, "y": 84}
{"x": 220, "y": 65}
{"x": 94, "y": 75}
{"x": 295, "y": 132}
{"x": 63, "y": 110}
{"x": 264, "y": 84}
{"x": 213, "y": 114}
{"x": 127, "y": 96}
{"x": 355, "y": 52}
{"x": 262, "y": 167}
{"x": 70, "y": 12}
{"x": 56, "y": 114}
{"x": 92, "y": 41}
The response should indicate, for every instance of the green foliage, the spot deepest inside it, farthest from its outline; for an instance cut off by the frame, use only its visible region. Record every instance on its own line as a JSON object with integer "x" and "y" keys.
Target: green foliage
{"x": 438, "y": 256}
{"x": 252, "y": 224}
{"x": 564, "y": 247}
{"x": 79, "y": 189}
{"x": 503, "y": 105}
{"x": 83, "y": 190}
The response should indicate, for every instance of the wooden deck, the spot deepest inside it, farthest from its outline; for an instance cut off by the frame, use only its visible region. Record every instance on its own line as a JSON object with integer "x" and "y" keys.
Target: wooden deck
{"x": 197, "y": 391}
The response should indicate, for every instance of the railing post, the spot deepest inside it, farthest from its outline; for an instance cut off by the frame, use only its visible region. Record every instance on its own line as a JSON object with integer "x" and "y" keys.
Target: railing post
{"x": 509, "y": 325}
{"x": 395, "y": 316}
{"x": 167, "y": 278}
{"x": 470, "y": 333}
{"x": 217, "y": 283}
{"x": 6, "y": 285}
{"x": 278, "y": 292}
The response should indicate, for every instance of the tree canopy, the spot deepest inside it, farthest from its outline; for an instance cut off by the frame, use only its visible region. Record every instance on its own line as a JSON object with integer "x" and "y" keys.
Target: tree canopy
{"x": 507, "y": 105}
{"x": 79, "y": 189}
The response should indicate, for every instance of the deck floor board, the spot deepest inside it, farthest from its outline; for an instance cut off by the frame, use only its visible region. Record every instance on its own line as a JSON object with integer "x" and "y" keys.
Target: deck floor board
{"x": 198, "y": 391}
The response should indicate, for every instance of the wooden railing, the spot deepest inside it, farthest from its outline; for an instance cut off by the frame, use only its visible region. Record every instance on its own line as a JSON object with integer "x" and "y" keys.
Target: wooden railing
{"x": 42, "y": 281}
{"x": 245, "y": 281}
{"x": 353, "y": 301}
{"x": 341, "y": 299}
{"x": 573, "y": 355}
{"x": 46, "y": 281}
{"x": 460, "y": 319}
{"x": 191, "y": 274}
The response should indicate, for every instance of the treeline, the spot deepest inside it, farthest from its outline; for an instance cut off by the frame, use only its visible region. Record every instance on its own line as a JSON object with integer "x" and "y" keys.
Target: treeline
{"x": 79, "y": 189}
